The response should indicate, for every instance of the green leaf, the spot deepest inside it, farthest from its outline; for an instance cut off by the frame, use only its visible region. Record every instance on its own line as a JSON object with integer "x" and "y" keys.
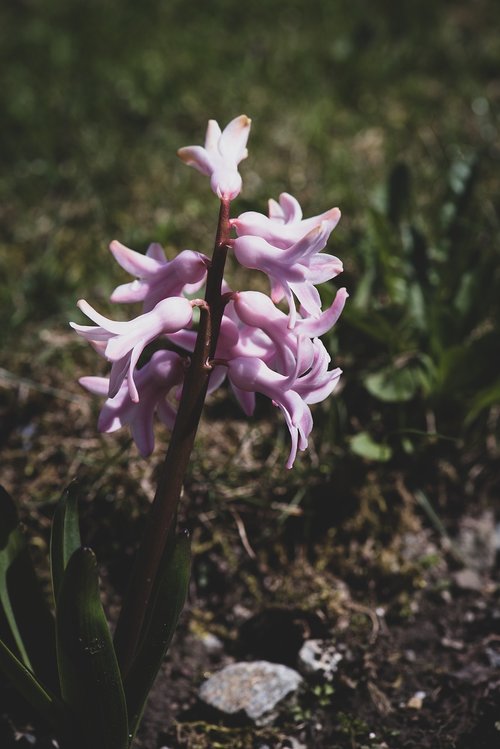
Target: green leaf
{"x": 366, "y": 447}
{"x": 45, "y": 703}
{"x": 8, "y": 517}
{"x": 159, "y": 627}
{"x": 484, "y": 399}
{"x": 22, "y": 602}
{"x": 90, "y": 678}
{"x": 12, "y": 546}
{"x": 65, "y": 535}
{"x": 373, "y": 325}
{"x": 393, "y": 385}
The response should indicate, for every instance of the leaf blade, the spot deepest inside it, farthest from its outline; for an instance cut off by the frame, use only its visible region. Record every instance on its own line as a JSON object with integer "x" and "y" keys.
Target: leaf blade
{"x": 22, "y": 602}
{"x": 45, "y": 703}
{"x": 90, "y": 678}
{"x": 65, "y": 535}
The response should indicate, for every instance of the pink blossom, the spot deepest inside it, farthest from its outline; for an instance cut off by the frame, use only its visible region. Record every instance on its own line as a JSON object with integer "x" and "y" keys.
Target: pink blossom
{"x": 303, "y": 377}
{"x": 294, "y": 270}
{"x": 157, "y": 277}
{"x": 154, "y": 381}
{"x": 284, "y": 226}
{"x": 258, "y": 311}
{"x": 125, "y": 341}
{"x": 255, "y": 376}
{"x": 220, "y": 156}
{"x": 260, "y": 349}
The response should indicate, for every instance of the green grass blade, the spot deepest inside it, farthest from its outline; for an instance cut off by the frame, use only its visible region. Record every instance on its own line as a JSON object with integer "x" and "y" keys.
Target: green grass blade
{"x": 160, "y": 625}
{"x": 90, "y": 678}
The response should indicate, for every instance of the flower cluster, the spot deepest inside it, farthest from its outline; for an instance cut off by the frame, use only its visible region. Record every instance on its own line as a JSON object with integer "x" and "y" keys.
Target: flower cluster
{"x": 260, "y": 348}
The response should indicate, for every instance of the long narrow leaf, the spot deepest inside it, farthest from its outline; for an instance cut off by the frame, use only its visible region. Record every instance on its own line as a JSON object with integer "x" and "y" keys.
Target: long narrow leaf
{"x": 65, "y": 536}
{"x": 90, "y": 678}
{"x": 45, "y": 703}
{"x": 13, "y": 547}
{"x": 164, "y": 613}
{"x": 22, "y": 602}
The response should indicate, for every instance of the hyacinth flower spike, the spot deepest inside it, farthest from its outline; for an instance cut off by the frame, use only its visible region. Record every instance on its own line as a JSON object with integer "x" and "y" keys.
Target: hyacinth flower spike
{"x": 154, "y": 381}
{"x": 284, "y": 226}
{"x": 220, "y": 156}
{"x": 126, "y": 340}
{"x": 157, "y": 277}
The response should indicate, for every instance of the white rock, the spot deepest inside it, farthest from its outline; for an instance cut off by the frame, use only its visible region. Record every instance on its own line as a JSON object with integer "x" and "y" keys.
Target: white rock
{"x": 254, "y": 688}
{"x": 319, "y": 657}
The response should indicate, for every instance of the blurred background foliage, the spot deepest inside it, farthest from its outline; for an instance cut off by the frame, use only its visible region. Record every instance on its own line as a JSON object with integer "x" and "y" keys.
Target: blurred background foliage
{"x": 389, "y": 110}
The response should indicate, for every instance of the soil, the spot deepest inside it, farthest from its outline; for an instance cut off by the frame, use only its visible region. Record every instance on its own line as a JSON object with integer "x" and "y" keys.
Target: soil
{"x": 411, "y": 604}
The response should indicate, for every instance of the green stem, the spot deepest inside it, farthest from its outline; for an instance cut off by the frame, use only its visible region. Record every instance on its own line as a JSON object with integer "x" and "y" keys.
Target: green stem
{"x": 163, "y": 510}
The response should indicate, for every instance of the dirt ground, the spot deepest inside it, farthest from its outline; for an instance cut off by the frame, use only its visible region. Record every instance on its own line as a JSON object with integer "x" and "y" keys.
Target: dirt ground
{"x": 409, "y": 596}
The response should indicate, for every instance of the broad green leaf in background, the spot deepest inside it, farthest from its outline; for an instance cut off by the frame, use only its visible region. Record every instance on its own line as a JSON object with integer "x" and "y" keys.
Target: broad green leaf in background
{"x": 364, "y": 445}
{"x": 393, "y": 385}
{"x": 90, "y": 677}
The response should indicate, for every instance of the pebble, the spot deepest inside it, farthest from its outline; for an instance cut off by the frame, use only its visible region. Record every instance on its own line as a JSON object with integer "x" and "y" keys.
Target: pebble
{"x": 468, "y": 579}
{"x": 319, "y": 657}
{"x": 254, "y": 688}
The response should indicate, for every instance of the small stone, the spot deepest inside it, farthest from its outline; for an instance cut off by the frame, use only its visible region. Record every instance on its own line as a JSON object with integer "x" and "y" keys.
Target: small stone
{"x": 468, "y": 580}
{"x": 253, "y": 688}
{"x": 448, "y": 642}
{"x": 493, "y": 657}
{"x": 291, "y": 743}
{"x": 320, "y": 657}
{"x": 212, "y": 644}
{"x": 477, "y": 541}
{"x": 416, "y": 702}
{"x": 25, "y": 739}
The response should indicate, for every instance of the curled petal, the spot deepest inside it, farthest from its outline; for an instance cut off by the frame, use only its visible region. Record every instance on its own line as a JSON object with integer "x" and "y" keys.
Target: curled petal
{"x": 254, "y": 376}
{"x": 157, "y": 277}
{"x": 284, "y": 226}
{"x": 293, "y": 270}
{"x": 316, "y": 326}
{"x": 127, "y": 340}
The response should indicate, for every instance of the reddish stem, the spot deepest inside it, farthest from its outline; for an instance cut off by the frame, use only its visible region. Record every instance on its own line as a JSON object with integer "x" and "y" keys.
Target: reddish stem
{"x": 164, "y": 507}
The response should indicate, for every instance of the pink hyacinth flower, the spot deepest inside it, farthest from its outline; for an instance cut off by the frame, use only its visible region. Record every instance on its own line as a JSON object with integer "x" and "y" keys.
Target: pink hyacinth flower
{"x": 319, "y": 382}
{"x": 255, "y": 376}
{"x": 154, "y": 381}
{"x": 125, "y": 341}
{"x": 157, "y": 277}
{"x": 258, "y": 311}
{"x": 284, "y": 226}
{"x": 294, "y": 270}
{"x": 220, "y": 156}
